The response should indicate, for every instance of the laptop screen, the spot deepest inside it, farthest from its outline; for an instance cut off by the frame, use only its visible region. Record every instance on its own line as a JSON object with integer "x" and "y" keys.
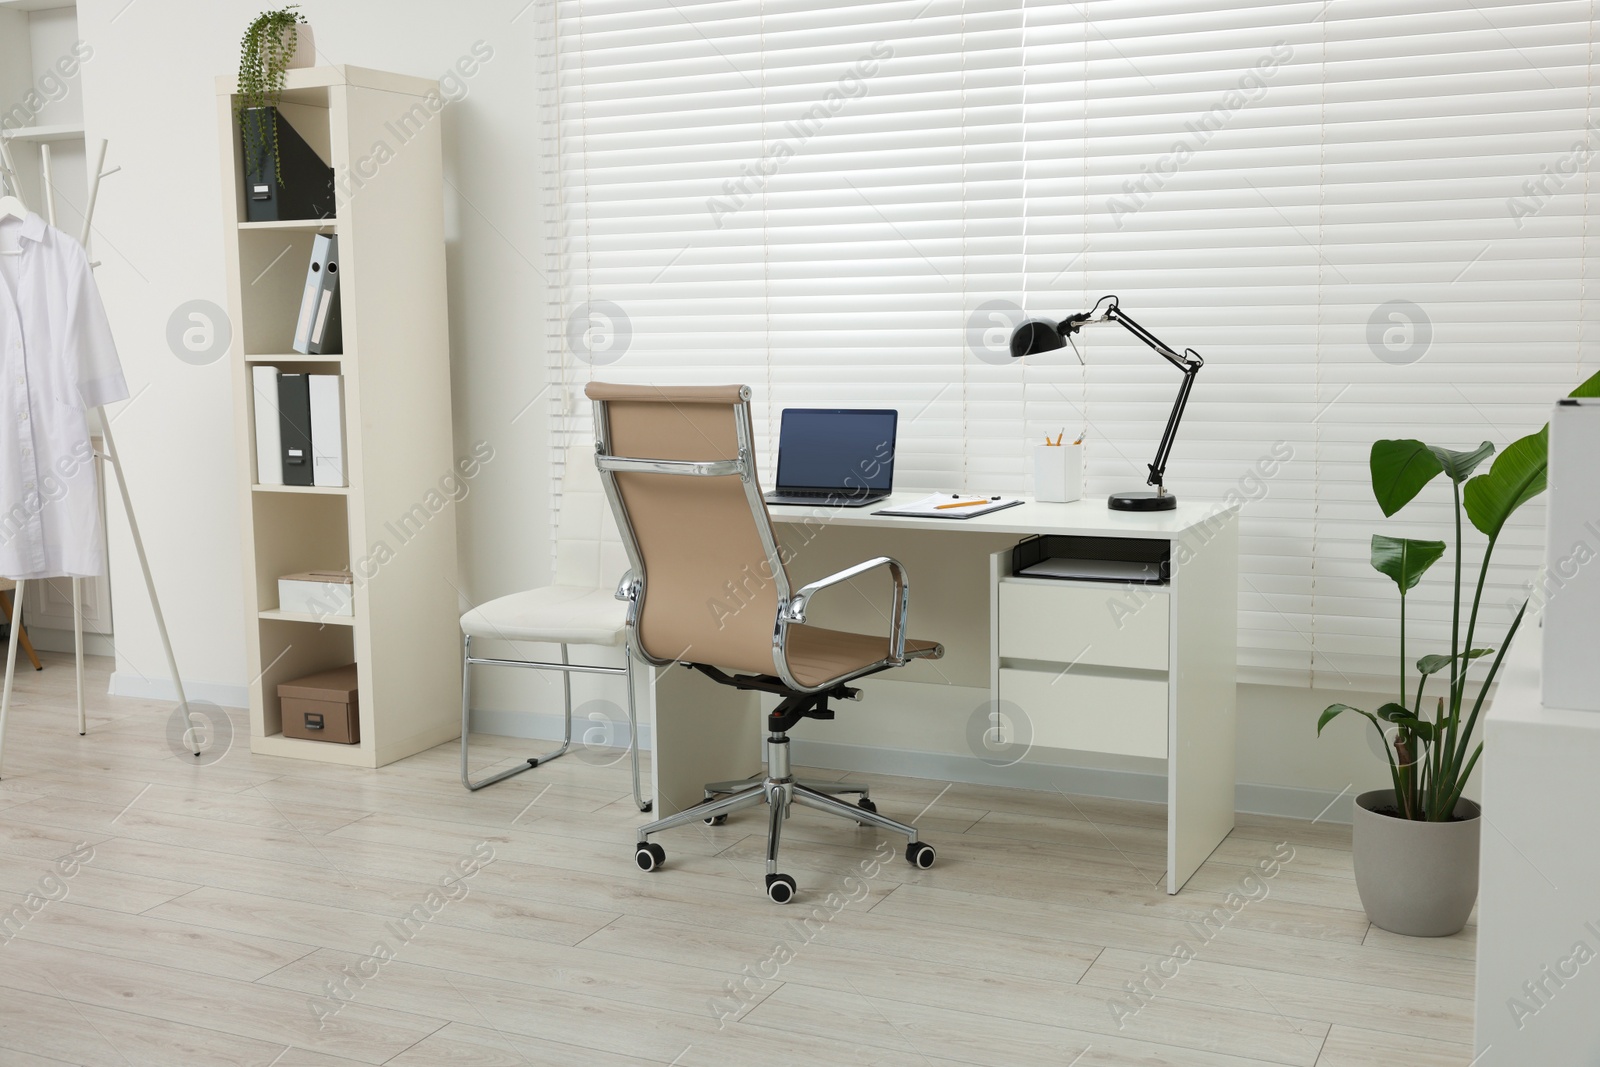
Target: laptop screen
{"x": 837, "y": 448}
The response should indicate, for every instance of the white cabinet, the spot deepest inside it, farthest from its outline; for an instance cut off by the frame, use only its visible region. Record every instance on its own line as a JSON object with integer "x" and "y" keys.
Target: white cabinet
{"x": 1131, "y": 670}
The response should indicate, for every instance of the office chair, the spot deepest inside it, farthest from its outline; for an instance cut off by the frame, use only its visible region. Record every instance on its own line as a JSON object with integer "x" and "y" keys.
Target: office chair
{"x": 678, "y": 466}
{"x": 579, "y": 608}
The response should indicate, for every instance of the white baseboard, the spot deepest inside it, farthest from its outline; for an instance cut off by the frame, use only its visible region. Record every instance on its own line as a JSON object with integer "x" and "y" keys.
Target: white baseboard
{"x": 1256, "y": 799}
{"x": 129, "y": 684}
{"x": 1286, "y": 801}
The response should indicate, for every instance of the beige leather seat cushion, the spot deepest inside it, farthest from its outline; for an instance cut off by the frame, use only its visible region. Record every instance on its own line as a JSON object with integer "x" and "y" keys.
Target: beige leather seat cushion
{"x": 556, "y": 613}
{"x": 817, "y": 656}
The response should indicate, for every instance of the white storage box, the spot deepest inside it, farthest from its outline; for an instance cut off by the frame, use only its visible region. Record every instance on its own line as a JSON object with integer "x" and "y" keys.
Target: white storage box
{"x": 317, "y": 593}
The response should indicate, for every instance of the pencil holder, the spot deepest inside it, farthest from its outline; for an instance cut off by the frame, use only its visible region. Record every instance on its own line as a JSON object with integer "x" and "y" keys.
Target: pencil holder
{"x": 1057, "y": 473}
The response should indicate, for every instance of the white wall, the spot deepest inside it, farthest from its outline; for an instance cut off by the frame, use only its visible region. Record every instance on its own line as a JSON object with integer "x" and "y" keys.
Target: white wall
{"x": 149, "y": 89}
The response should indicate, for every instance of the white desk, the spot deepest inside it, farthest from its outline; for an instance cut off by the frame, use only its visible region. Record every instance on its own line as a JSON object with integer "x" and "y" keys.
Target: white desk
{"x": 1090, "y": 666}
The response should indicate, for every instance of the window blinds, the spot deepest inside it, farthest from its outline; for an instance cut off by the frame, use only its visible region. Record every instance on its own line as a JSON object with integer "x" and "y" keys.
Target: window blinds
{"x": 1370, "y": 217}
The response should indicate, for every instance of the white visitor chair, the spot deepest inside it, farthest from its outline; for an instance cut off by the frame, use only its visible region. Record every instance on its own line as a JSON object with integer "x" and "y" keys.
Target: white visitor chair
{"x": 578, "y": 608}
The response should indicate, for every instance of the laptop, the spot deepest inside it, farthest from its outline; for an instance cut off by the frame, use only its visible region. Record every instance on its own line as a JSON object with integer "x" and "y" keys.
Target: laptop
{"x": 836, "y": 457}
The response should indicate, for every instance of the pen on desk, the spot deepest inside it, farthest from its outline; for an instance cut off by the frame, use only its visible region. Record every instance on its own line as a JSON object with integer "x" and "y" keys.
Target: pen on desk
{"x": 964, "y": 504}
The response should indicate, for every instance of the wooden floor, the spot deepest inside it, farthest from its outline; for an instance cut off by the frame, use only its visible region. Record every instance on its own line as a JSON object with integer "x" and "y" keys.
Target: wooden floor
{"x": 266, "y": 911}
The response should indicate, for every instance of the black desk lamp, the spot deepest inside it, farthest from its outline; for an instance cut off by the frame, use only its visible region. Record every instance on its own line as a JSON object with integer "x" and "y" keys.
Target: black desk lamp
{"x": 1035, "y": 336}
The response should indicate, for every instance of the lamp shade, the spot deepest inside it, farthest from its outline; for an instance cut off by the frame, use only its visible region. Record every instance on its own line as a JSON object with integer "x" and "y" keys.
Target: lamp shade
{"x": 1035, "y": 336}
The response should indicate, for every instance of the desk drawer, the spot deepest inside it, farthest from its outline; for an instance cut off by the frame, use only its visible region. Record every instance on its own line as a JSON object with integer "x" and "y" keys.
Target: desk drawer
{"x": 1114, "y": 626}
{"x": 1092, "y": 713}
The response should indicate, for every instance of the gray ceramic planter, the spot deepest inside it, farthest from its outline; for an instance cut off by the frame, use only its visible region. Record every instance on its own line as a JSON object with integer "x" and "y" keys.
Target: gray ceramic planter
{"x": 1416, "y": 878}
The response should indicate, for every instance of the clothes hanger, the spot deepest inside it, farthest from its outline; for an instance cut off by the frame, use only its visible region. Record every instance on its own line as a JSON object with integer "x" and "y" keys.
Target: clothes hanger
{"x": 12, "y": 208}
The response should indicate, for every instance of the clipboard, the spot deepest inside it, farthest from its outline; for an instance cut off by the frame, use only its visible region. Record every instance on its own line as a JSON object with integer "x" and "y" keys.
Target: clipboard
{"x": 929, "y": 507}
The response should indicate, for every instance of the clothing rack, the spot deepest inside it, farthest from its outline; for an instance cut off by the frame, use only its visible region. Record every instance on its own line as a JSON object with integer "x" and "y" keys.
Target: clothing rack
{"x": 8, "y": 178}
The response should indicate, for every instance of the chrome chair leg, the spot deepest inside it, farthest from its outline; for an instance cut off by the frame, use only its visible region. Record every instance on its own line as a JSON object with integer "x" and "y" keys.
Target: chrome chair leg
{"x": 835, "y": 788}
{"x": 745, "y": 798}
{"x": 778, "y": 810}
{"x": 566, "y": 702}
{"x": 811, "y": 798}
{"x": 466, "y": 725}
{"x": 466, "y": 715}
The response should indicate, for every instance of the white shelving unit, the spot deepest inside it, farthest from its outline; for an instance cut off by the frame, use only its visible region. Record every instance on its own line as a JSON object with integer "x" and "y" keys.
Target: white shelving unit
{"x": 404, "y": 636}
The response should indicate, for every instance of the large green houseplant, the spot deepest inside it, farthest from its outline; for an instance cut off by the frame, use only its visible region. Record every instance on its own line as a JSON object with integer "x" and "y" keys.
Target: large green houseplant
{"x": 1427, "y": 885}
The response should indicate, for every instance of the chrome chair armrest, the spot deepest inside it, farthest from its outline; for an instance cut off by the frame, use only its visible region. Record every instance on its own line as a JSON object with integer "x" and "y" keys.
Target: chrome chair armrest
{"x": 716, "y": 468}
{"x": 794, "y": 612}
{"x": 627, "y": 588}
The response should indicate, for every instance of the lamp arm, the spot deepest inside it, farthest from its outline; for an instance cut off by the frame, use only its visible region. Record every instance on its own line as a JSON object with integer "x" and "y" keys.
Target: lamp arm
{"x": 1115, "y": 314}
{"x": 1189, "y": 362}
{"x": 1158, "y": 469}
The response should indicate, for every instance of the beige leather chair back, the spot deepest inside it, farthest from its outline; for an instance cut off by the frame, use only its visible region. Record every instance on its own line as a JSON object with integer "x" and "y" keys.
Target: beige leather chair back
{"x": 710, "y": 589}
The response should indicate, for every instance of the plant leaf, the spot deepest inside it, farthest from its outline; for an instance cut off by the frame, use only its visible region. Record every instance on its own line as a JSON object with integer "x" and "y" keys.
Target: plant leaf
{"x": 1332, "y": 711}
{"x": 1588, "y": 388}
{"x": 1399, "y": 471}
{"x": 1401, "y": 717}
{"x": 1435, "y": 664}
{"x": 1460, "y": 465}
{"x": 1403, "y": 559}
{"x": 1398, "y": 713}
{"x": 1517, "y": 476}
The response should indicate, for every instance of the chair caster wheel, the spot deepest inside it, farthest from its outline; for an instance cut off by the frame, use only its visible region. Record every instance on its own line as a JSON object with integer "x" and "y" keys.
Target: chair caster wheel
{"x": 716, "y": 820}
{"x": 648, "y": 805}
{"x": 780, "y": 887}
{"x": 865, "y": 805}
{"x": 920, "y": 855}
{"x": 649, "y": 856}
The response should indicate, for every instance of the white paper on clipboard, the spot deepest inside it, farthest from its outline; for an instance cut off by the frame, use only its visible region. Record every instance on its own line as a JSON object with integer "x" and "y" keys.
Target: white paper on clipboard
{"x": 937, "y": 506}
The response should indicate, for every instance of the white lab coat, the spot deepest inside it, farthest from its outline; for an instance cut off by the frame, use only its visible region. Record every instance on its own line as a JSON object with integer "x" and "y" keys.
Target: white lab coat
{"x": 57, "y": 359}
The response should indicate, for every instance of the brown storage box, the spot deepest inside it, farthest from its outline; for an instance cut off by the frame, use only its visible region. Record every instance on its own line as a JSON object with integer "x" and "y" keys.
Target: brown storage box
{"x": 322, "y": 707}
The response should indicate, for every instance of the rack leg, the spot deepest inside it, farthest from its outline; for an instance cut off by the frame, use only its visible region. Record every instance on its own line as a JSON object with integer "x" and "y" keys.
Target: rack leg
{"x": 144, "y": 565}
{"x": 49, "y": 183}
{"x": 11, "y": 662}
{"x": 77, "y": 643}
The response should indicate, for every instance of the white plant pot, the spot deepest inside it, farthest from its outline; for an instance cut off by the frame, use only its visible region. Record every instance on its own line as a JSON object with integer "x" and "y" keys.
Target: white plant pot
{"x": 305, "y": 48}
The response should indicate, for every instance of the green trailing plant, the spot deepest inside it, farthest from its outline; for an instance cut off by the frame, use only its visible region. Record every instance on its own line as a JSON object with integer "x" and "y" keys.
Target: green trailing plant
{"x": 264, "y": 54}
{"x": 1431, "y": 757}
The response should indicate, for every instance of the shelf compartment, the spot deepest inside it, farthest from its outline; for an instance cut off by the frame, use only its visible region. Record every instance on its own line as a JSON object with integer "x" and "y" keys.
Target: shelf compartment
{"x": 291, "y": 650}
{"x": 296, "y": 533}
{"x": 272, "y": 269}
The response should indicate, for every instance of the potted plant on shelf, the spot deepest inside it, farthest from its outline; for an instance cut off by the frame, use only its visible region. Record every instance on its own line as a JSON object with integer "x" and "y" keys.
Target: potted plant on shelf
{"x": 274, "y": 43}
{"x": 1416, "y": 844}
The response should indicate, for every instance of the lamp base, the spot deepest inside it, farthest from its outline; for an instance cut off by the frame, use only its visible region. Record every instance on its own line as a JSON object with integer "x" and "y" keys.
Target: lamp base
{"x": 1142, "y": 500}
